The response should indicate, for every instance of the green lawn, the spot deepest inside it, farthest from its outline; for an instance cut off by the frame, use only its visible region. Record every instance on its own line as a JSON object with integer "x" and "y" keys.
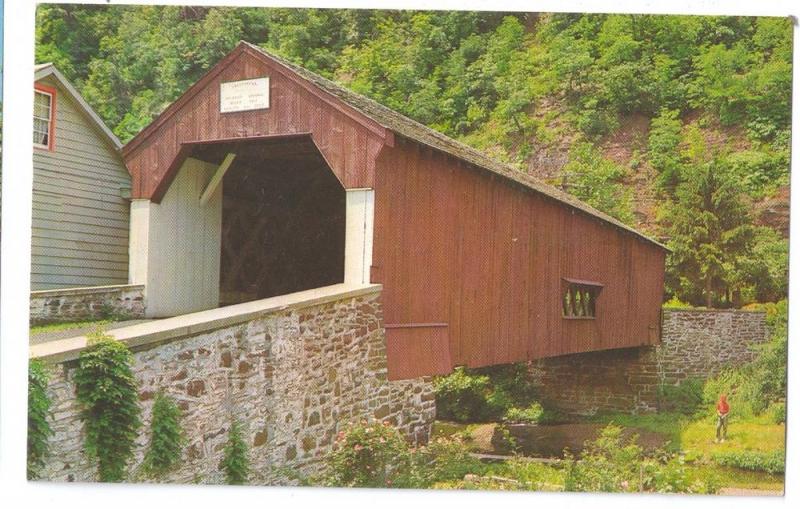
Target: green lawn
{"x": 693, "y": 438}
{"x": 696, "y": 439}
{"x": 59, "y": 326}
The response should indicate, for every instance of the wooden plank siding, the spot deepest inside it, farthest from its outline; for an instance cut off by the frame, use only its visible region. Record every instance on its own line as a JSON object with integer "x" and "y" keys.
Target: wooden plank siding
{"x": 472, "y": 255}
{"x": 80, "y": 218}
{"x": 454, "y": 245}
{"x": 343, "y": 142}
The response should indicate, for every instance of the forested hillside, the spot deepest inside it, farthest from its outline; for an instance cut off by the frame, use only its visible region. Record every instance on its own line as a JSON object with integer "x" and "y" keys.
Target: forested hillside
{"x": 677, "y": 125}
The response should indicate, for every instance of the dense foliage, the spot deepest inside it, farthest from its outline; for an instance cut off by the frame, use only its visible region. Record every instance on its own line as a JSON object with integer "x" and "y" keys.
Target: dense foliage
{"x": 611, "y": 464}
{"x": 370, "y": 455}
{"x": 502, "y": 392}
{"x": 166, "y": 437}
{"x": 617, "y": 109}
{"x": 375, "y": 455}
{"x": 756, "y": 387}
{"x": 107, "y": 392}
{"x": 235, "y": 461}
{"x": 772, "y": 462}
{"x": 686, "y": 398}
{"x": 39, "y": 430}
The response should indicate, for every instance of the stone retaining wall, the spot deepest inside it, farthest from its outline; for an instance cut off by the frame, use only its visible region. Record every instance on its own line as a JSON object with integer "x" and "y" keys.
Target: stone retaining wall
{"x": 74, "y": 304}
{"x": 293, "y": 377}
{"x": 694, "y": 344}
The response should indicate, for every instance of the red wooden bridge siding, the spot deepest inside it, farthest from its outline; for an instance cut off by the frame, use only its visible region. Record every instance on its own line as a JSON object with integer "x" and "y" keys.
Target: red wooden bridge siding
{"x": 457, "y": 246}
{"x": 471, "y": 262}
{"x": 349, "y": 148}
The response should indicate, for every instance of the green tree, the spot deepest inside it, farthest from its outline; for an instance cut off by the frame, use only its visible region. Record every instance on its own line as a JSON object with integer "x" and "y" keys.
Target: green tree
{"x": 710, "y": 232}
{"x": 664, "y": 139}
{"x": 598, "y": 181}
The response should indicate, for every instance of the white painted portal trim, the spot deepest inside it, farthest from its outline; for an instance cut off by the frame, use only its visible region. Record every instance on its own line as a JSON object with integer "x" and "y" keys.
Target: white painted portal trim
{"x": 139, "y": 242}
{"x": 216, "y": 180}
{"x": 175, "y": 245}
{"x": 359, "y": 222}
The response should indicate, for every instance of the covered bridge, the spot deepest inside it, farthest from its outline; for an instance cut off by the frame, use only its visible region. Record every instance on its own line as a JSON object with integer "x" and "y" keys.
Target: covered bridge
{"x": 265, "y": 179}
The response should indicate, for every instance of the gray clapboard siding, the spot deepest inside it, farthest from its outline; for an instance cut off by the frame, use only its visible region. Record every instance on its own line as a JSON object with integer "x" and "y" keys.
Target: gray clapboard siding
{"x": 80, "y": 218}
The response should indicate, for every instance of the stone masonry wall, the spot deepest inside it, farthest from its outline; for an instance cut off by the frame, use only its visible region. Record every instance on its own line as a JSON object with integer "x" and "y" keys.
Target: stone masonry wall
{"x": 694, "y": 344}
{"x": 293, "y": 378}
{"x": 73, "y": 304}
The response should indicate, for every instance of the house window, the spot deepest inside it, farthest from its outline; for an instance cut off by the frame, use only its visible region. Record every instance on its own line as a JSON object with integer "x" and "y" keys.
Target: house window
{"x": 43, "y": 110}
{"x": 579, "y": 298}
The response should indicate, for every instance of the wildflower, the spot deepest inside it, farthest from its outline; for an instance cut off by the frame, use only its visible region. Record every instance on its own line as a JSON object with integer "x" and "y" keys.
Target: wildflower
{"x": 624, "y": 485}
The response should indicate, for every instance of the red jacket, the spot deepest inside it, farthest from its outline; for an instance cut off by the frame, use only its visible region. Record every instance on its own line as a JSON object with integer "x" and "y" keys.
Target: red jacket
{"x": 723, "y": 407}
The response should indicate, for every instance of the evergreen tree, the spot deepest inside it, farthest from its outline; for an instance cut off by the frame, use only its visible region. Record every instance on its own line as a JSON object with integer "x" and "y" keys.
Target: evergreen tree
{"x": 711, "y": 232}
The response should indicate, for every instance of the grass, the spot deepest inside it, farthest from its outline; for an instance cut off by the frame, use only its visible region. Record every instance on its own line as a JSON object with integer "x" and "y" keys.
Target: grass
{"x": 698, "y": 437}
{"x": 61, "y": 326}
{"x": 537, "y": 476}
{"x": 694, "y": 437}
{"x": 669, "y": 424}
{"x": 737, "y": 478}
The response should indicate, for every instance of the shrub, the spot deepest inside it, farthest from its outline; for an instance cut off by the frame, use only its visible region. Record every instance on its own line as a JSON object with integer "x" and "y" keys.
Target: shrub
{"x": 676, "y": 303}
{"x": 531, "y": 414}
{"x": 770, "y": 462}
{"x": 670, "y": 475}
{"x": 462, "y": 397}
{"x": 751, "y": 388}
{"x": 166, "y": 437}
{"x": 513, "y": 380}
{"x": 370, "y": 454}
{"x": 610, "y": 464}
{"x": 107, "y": 391}
{"x": 595, "y": 121}
{"x": 235, "y": 463}
{"x": 777, "y": 413}
{"x": 39, "y": 430}
{"x": 685, "y": 398}
{"x": 484, "y": 394}
{"x": 445, "y": 459}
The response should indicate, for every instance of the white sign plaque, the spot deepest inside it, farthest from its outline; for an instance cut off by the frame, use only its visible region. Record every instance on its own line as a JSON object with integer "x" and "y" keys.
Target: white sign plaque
{"x": 244, "y": 95}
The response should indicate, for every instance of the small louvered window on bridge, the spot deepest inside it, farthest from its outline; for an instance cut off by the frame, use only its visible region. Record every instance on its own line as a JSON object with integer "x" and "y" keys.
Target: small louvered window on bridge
{"x": 579, "y": 298}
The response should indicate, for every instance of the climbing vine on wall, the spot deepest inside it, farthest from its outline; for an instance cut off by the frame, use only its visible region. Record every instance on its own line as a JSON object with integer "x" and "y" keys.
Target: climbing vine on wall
{"x": 107, "y": 391}
{"x": 38, "y": 410}
{"x": 235, "y": 463}
{"x": 166, "y": 439}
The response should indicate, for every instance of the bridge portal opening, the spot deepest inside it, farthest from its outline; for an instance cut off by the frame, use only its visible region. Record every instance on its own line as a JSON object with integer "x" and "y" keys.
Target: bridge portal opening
{"x": 283, "y": 219}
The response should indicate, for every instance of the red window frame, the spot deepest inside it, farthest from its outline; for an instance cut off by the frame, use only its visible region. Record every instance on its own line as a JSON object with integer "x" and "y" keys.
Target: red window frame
{"x": 51, "y": 138}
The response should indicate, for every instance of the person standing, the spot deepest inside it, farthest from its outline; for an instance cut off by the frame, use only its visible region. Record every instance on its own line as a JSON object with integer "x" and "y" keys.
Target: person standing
{"x": 723, "y": 409}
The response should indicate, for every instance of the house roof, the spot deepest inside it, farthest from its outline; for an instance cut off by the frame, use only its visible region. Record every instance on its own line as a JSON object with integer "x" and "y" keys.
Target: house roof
{"x": 405, "y": 127}
{"x": 42, "y": 71}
